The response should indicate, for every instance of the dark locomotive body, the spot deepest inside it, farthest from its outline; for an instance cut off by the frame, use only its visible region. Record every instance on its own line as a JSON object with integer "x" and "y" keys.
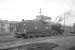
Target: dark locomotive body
{"x": 36, "y": 28}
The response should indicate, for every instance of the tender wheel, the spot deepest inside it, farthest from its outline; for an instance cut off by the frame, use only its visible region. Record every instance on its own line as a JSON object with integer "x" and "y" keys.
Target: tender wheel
{"x": 18, "y": 35}
{"x": 54, "y": 33}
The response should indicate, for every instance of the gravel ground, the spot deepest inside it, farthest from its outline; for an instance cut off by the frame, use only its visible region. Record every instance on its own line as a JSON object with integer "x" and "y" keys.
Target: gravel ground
{"x": 64, "y": 42}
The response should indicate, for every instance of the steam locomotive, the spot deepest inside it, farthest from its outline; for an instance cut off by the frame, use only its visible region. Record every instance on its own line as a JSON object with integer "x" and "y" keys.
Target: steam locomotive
{"x": 37, "y": 28}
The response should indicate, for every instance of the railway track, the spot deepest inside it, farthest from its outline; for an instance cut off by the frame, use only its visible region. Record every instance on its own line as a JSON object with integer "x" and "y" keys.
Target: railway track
{"x": 21, "y": 43}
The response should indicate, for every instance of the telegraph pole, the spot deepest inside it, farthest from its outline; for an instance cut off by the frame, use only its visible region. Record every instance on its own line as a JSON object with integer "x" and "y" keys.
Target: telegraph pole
{"x": 64, "y": 22}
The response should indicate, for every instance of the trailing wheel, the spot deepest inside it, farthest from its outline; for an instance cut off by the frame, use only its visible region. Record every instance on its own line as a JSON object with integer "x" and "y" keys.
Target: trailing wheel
{"x": 54, "y": 33}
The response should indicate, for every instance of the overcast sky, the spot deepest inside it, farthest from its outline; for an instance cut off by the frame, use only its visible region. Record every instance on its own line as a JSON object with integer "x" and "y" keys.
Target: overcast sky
{"x": 16, "y": 10}
{"x": 28, "y": 9}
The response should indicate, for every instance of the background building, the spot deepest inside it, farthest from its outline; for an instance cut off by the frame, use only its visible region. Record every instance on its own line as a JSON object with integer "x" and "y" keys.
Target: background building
{"x": 7, "y": 26}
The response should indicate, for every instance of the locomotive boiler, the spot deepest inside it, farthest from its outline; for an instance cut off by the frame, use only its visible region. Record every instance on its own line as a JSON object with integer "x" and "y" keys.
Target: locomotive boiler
{"x": 37, "y": 28}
